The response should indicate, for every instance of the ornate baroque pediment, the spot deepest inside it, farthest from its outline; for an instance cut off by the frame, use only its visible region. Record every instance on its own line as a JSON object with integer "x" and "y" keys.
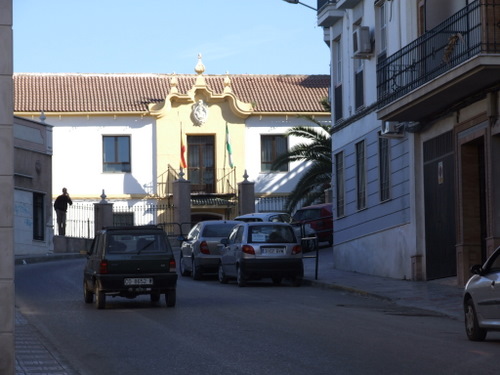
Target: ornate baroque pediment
{"x": 201, "y": 96}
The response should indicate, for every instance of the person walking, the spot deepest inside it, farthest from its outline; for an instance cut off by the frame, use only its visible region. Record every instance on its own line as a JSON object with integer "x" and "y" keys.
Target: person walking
{"x": 61, "y": 207}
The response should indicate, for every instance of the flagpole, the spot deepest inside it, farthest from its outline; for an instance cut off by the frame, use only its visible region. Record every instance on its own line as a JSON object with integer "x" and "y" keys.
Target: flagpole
{"x": 225, "y": 155}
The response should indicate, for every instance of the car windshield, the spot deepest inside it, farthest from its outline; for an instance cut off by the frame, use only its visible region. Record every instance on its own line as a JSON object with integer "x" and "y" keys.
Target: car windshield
{"x": 270, "y": 234}
{"x": 136, "y": 243}
{"x": 217, "y": 230}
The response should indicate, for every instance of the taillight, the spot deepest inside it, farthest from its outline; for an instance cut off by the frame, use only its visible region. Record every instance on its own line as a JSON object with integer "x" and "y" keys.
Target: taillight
{"x": 103, "y": 266}
{"x": 247, "y": 249}
{"x": 297, "y": 249}
{"x": 172, "y": 265}
{"x": 204, "y": 248}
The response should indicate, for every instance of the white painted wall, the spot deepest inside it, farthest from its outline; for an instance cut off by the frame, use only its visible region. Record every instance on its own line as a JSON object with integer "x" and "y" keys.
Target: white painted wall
{"x": 279, "y": 182}
{"x": 77, "y": 158}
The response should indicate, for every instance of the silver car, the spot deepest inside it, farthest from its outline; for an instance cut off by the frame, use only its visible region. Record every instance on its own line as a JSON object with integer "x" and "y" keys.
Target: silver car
{"x": 200, "y": 250}
{"x": 256, "y": 250}
{"x": 482, "y": 299}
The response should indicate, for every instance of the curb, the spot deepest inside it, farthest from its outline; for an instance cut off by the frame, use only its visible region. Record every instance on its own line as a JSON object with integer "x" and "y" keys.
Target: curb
{"x": 30, "y": 259}
{"x": 325, "y": 285}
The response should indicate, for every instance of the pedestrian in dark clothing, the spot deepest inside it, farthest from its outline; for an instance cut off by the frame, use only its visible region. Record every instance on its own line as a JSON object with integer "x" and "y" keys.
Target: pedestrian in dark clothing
{"x": 61, "y": 206}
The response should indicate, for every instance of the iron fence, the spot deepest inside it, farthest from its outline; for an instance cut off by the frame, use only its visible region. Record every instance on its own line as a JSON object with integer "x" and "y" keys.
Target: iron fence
{"x": 277, "y": 203}
{"x": 80, "y": 217}
{"x": 79, "y": 220}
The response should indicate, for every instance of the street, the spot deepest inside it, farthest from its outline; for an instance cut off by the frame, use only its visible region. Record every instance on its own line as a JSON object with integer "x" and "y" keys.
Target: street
{"x": 259, "y": 329}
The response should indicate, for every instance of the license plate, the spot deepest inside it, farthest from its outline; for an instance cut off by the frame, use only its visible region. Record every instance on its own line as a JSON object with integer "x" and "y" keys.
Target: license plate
{"x": 273, "y": 250}
{"x": 139, "y": 281}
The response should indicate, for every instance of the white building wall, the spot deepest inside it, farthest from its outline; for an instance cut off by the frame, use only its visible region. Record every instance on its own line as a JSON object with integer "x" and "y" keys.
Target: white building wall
{"x": 78, "y": 160}
{"x": 381, "y": 238}
{"x": 279, "y": 182}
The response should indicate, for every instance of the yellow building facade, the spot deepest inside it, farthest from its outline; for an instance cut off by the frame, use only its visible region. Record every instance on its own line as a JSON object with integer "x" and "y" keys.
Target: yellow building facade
{"x": 199, "y": 129}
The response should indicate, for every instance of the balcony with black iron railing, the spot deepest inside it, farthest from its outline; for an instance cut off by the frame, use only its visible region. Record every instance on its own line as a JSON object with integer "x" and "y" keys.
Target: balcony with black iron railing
{"x": 458, "y": 59}
{"x": 203, "y": 180}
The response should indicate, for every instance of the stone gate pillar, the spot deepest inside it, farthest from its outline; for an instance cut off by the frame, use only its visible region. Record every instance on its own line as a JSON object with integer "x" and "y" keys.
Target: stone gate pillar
{"x": 246, "y": 196}
{"x": 182, "y": 203}
{"x": 103, "y": 214}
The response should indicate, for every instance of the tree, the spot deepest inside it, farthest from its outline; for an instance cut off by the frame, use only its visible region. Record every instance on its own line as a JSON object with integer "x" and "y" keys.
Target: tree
{"x": 318, "y": 153}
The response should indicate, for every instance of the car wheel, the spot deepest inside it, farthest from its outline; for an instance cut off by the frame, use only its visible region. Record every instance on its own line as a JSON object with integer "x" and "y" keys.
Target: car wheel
{"x": 297, "y": 281}
{"x": 240, "y": 278}
{"x": 277, "y": 280}
{"x": 182, "y": 267}
{"x": 222, "y": 275}
{"x": 88, "y": 295}
{"x": 474, "y": 332}
{"x": 155, "y": 297}
{"x": 171, "y": 297}
{"x": 100, "y": 297}
{"x": 196, "y": 273}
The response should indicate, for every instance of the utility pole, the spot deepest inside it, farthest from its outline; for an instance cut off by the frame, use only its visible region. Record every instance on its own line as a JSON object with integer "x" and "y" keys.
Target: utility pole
{"x": 7, "y": 291}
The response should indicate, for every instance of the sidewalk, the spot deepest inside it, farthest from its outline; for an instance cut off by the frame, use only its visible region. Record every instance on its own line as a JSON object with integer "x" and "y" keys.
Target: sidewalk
{"x": 35, "y": 356}
{"x": 441, "y": 296}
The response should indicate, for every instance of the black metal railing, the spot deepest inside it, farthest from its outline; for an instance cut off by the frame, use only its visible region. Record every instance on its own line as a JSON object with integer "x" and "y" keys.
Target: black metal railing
{"x": 469, "y": 32}
{"x": 322, "y": 3}
{"x": 80, "y": 217}
{"x": 204, "y": 180}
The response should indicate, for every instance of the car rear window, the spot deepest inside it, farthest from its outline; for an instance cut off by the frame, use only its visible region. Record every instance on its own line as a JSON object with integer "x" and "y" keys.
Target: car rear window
{"x": 217, "y": 230}
{"x": 308, "y": 214}
{"x": 137, "y": 243}
{"x": 270, "y": 234}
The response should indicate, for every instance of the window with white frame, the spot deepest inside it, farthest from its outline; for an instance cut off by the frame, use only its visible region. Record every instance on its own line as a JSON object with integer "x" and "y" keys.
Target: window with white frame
{"x": 116, "y": 154}
{"x": 339, "y": 183}
{"x": 382, "y": 26}
{"x": 338, "y": 103}
{"x": 384, "y": 169}
{"x": 361, "y": 175}
{"x": 38, "y": 216}
{"x": 359, "y": 95}
{"x": 359, "y": 85}
{"x": 272, "y": 146}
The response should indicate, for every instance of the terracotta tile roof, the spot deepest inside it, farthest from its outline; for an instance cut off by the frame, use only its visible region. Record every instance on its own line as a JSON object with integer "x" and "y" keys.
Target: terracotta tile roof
{"x": 116, "y": 93}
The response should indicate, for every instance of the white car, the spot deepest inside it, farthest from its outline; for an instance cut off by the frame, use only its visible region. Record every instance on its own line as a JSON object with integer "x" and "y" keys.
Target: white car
{"x": 482, "y": 299}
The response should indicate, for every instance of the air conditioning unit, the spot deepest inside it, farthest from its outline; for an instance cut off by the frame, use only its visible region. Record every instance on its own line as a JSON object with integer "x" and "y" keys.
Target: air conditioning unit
{"x": 362, "y": 44}
{"x": 391, "y": 129}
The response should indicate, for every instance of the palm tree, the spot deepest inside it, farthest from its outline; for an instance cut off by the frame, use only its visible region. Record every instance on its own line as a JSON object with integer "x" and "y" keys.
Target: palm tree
{"x": 318, "y": 152}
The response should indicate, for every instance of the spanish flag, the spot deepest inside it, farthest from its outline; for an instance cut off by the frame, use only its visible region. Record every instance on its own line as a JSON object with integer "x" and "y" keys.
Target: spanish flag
{"x": 183, "y": 153}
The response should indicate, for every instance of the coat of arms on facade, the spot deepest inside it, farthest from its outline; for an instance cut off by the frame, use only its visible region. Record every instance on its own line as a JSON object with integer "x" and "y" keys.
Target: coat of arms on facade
{"x": 200, "y": 113}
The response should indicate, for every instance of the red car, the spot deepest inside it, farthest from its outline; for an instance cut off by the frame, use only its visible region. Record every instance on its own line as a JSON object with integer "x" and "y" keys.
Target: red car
{"x": 316, "y": 219}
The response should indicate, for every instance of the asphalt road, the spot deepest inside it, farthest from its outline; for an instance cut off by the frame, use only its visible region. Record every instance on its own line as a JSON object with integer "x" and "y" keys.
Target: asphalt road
{"x": 259, "y": 329}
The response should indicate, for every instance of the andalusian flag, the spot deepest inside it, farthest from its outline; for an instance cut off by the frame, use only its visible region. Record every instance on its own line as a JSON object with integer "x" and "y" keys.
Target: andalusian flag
{"x": 183, "y": 153}
{"x": 228, "y": 147}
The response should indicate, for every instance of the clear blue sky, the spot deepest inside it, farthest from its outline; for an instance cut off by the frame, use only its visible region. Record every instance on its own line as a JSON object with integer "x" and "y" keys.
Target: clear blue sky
{"x": 165, "y": 36}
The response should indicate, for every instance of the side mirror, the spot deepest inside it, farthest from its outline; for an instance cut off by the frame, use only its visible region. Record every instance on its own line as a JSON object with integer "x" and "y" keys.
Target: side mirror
{"x": 476, "y": 269}
{"x": 181, "y": 238}
{"x": 224, "y": 241}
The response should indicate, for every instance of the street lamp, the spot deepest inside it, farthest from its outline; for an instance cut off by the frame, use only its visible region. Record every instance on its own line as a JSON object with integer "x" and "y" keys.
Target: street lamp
{"x": 298, "y": 2}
